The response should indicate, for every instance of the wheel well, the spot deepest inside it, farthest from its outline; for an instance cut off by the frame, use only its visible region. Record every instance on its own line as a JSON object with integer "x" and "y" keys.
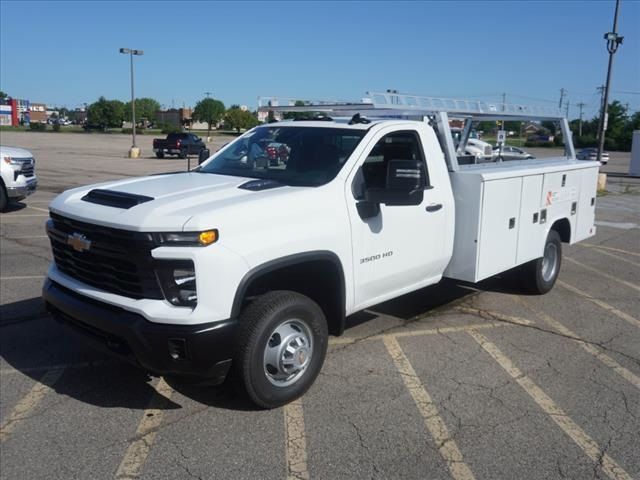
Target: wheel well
{"x": 563, "y": 227}
{"x": 320, "y": 279}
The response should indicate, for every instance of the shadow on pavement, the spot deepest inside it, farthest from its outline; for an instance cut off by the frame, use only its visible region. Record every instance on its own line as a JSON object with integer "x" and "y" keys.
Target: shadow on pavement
{"x": 33, "y": 344}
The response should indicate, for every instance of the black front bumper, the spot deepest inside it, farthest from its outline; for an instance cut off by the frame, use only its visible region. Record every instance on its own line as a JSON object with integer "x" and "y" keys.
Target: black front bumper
{"x": 202, "y": 351}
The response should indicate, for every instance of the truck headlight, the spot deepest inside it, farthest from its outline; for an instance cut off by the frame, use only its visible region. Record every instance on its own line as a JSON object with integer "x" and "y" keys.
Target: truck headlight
{"x": 177, "y": 279}
{"x": 10, "y": 161}
{"x": 187, "y": 239}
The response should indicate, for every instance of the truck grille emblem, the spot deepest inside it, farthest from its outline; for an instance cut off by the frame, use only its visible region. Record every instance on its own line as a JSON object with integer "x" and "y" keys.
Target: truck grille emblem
{"x": 78, "y": 242}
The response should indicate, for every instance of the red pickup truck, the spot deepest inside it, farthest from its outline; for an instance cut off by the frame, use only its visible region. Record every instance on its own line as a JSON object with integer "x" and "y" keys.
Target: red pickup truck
{"x": 180, "y": 144}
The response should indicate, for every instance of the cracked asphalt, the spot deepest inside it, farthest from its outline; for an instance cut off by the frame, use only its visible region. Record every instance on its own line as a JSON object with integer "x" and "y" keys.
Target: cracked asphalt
{"x": 453, "y": 381}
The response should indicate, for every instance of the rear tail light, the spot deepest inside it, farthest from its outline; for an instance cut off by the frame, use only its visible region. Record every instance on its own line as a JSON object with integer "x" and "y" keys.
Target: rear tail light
{"x": 178, "y": 143}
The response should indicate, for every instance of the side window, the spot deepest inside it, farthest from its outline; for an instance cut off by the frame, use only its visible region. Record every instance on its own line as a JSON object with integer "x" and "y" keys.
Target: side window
{"x": 403, "y": 145}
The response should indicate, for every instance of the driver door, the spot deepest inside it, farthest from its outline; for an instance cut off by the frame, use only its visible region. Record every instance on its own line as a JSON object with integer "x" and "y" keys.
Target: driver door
{"x": 402, "y": 247}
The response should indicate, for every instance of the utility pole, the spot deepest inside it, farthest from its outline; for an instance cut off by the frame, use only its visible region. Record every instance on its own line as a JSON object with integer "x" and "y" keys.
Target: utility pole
{"x": 580, "y": 106}
{"x": 562, "y": 92}
{"x": 208, "y": 94}
{"x": 504, "y": 107}
{"x": 613, "y": 42}
{"x": 601, "y": 90}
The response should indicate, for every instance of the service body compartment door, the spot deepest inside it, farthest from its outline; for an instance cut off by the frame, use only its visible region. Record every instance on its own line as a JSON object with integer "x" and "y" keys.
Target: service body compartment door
{"x": 499, "y": 226}
{"x": 587, "y": 205}
{"x": 530, "y": 233}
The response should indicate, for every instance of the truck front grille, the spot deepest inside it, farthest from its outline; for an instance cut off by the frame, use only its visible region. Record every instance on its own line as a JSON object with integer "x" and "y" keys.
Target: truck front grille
{"x": 27, "y": 170}
{"x": 113, "y": 260}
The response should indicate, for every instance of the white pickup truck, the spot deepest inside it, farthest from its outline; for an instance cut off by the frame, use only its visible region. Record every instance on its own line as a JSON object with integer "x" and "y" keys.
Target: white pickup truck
{"x": 17, "y": 175}
{"x": 247, "y": 266}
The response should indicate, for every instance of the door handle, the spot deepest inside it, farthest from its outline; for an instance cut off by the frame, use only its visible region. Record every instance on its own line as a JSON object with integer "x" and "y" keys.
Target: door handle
{"x": 434, "y": 207}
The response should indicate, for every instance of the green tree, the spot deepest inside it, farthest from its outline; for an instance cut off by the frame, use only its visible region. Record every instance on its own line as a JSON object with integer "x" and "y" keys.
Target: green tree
{"x": 145, "y": 108}
{"x": 238, "y": 119}
{"x": 106, "y": 113}
{"x": 210, "y": 111}
{"x": 3, "y": 95}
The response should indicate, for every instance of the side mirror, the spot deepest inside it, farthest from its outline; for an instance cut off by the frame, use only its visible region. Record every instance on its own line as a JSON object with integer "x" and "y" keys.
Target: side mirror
{"x": 405, "y": 184}
{"x": 203, "y": 155}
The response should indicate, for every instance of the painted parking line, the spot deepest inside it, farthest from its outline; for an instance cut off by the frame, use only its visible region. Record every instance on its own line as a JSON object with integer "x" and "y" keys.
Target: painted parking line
{"x": 38, "y": 209}
{"x": 619, "y": 250}
{"x": 604, "y": 305}
{"x": 138, "y": 451}
{"x": 587, "y": 347}
{"x": 23, "y": 277}
{"x": 619, "y": 225}
{"x": 546, "y": 403}
{"x": 613, "y": 255}
{"x": 295, "y": 441}
{"x": 603, "y": 274}
{"x": 6, "y": 217}
{"x": 446, "y": 445}
{"x": 23, "y": 237}
{"x": 25, "y": 407}
{"x": 416, "y": 333}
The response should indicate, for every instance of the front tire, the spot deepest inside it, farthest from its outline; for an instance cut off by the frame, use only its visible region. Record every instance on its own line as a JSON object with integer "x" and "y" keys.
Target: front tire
{"x": 540, "y": 275}
{"x": 4, "y": 199}
{"x": 282, "y": 344}
{"x": 159, "y": 154}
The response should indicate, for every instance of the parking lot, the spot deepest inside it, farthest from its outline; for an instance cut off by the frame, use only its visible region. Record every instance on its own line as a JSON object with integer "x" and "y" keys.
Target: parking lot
{"x": 453, "y": 381}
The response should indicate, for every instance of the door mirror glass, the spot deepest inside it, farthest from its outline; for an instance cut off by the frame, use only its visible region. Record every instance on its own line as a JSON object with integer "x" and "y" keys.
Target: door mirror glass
{"x": 203, "y": 155}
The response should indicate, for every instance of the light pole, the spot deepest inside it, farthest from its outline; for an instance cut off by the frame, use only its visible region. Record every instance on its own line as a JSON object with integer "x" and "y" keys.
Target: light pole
{"x": 613, "y": 42}
{"x": 134, "y": 152}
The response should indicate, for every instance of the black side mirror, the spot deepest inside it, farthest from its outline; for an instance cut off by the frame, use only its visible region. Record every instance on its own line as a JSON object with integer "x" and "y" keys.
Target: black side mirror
{"x": 203, "y": 155}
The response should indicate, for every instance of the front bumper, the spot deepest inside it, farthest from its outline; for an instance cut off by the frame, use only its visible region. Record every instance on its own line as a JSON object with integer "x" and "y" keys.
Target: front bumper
{"x": 22, "y": 191}
{"x": 203, "y": 351}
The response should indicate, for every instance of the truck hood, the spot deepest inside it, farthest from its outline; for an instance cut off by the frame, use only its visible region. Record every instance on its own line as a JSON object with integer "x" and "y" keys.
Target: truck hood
{"x": 14, "y": 152}
{"x": 173, "y": 200}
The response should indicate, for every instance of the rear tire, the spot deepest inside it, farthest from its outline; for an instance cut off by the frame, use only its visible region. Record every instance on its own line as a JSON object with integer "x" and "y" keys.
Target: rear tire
{"x": 282, "y": 344}
{"x": 540, "y": 275}
{"x": 160, "y": 154}
{"x": 4, "y": 198}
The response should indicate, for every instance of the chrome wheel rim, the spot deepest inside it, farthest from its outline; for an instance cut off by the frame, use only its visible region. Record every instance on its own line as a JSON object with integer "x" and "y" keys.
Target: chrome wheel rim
{"x": 288, "y": 352}
{"x": 550, "y": 262}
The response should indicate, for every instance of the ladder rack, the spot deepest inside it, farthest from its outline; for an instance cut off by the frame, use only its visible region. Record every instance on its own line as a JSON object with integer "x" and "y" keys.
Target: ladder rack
{"x": 395, "y": 105}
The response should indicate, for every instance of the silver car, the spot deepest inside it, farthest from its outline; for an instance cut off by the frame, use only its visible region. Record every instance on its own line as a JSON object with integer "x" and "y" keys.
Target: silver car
{"x": 511, "y": 153}
{"x": 592, "y": 154}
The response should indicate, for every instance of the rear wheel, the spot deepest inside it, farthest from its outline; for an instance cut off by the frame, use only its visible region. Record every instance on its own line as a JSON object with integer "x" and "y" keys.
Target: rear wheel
{"x": 281, "y": 347}
{"x": 160, "y": 154}
{"x": 540, "y": 275}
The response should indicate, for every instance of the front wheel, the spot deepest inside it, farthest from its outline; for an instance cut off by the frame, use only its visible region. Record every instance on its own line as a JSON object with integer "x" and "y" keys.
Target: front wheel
{"x": 540, "y": 275}
{"x": 4, "y": 199}
{"x": 282, "y": 344}
{"x": 160, "y": 154}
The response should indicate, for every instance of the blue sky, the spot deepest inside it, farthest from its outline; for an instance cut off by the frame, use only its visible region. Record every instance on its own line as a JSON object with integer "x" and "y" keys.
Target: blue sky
{"x": 66, "y": 53}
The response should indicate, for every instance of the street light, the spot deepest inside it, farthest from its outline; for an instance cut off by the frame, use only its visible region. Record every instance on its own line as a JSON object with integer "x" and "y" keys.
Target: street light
{"x": 613, "y": 42}
{"x": 134, "y": 152}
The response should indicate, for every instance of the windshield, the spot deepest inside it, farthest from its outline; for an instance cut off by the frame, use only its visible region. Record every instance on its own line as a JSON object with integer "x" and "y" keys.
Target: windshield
{"x": 306, "y": 156}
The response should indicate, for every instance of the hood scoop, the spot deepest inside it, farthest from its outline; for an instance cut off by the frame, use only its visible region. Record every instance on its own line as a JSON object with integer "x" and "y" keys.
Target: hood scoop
{"x": 111, "y": 198}
{"x": 261, "y": 184}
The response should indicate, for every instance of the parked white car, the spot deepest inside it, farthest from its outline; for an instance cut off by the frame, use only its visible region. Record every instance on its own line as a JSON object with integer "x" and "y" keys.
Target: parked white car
{"x": 18, "y": 177}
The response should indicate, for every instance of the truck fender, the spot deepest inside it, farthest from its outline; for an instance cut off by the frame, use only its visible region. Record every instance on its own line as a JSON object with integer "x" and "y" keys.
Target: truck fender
{"x": 331, "y": 300}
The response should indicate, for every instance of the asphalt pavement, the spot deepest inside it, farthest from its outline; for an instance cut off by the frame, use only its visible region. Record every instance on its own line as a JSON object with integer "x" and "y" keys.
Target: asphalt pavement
{"x": 453, "y": 381}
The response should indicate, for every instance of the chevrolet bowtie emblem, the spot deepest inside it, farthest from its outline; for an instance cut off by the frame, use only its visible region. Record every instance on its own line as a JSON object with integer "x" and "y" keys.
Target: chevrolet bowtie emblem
{"x": 79, "y": 242}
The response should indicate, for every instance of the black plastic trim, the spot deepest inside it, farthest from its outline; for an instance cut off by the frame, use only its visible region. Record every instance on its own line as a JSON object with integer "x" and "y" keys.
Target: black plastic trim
{"x": 288, "y": 261}
{"x": 133, "y": 338}
{"x": 112, "y": 198}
